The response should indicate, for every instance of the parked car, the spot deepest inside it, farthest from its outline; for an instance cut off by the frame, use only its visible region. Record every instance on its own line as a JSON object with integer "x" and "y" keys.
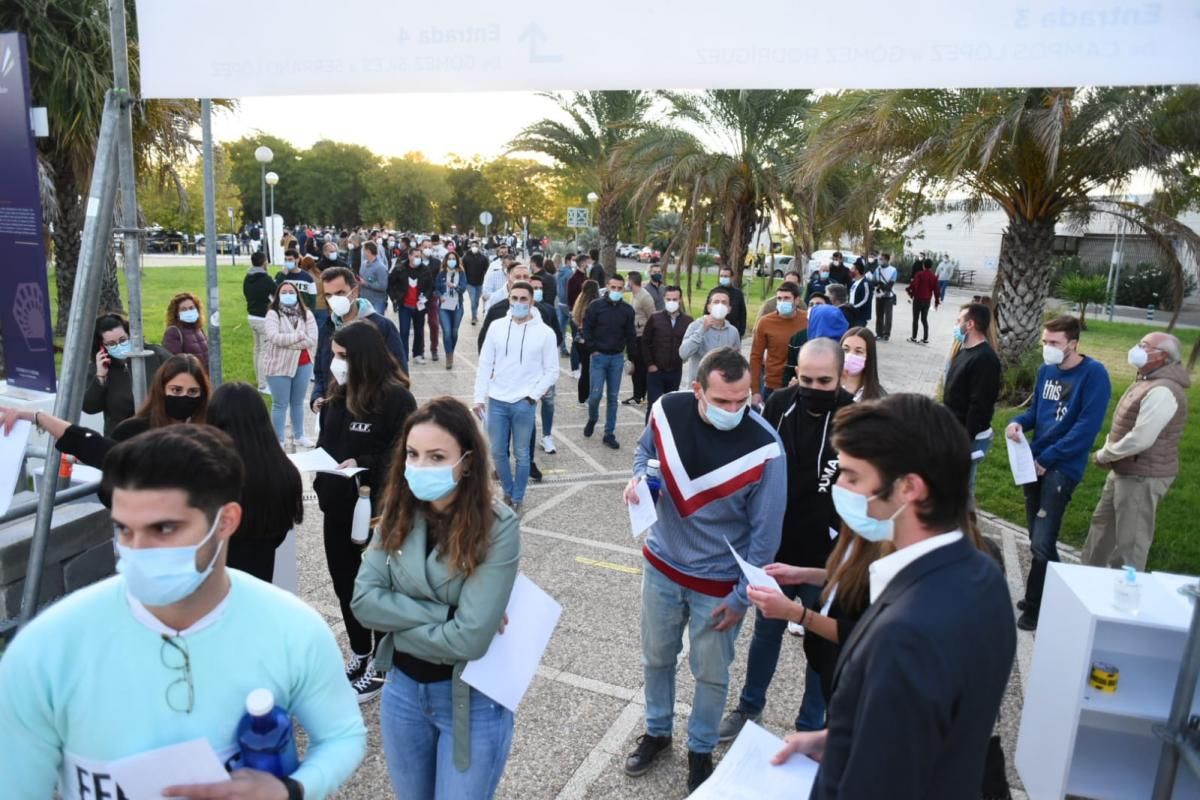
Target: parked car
{"x": 782, "y": 265}
{"x": 820, "y": 257}
{"x": 648, "y": 254}
{"x": 708, "y": 250}
{"x": 226, "y": 243}
{"x": 629, "y": 250}
{"x": 164, "y": 241}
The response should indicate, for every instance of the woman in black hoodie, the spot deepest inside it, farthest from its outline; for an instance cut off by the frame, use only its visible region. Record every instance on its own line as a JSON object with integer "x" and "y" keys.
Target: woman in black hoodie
{"x": 361, "y": 418}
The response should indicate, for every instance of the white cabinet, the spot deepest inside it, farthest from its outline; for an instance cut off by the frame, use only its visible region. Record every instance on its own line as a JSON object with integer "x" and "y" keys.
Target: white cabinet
{"x": 1079, "y": 741}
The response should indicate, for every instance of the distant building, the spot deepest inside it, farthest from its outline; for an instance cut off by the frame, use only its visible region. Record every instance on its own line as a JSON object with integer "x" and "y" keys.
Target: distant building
{"x": 975, "y": 244}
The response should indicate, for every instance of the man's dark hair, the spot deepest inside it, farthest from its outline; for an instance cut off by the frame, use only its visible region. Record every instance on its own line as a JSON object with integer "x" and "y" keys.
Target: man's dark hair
{"x": 790, "y": 288}
{"x": 258, "y": 259}
{"x": 372, "y": 248}
{"x": 910, "y": 434}
{"x": 729, "y": 362}
{"x": 512, "y": 265}
{"x": 981, "y": 315}
{"x": 522, "y": 285}
{"x": 672, "y": 288}
{"x": 537, "y": 260}
{"x": 719, "y": 290}
{"x": 635, "y": 277}
{"x": 835, "y": 293}
{"x": 594, "y": 254}
{"x": 536, "y": 278}
{"x": 725, "y": 268}
{"x": 345, "y": 273}
{"x": 616, "y": 276}
{"x": 293, "y": 253}
{"x": 1065, "y": 324}
{"x": 198, "y": 459}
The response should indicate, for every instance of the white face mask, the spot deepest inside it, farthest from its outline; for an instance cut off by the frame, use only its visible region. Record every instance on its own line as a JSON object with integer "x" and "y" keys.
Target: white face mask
{"x": 339, "y": 369}
{"x": 1052, "y": 355}
{"x": 718, "y": 311}
{"x": 338, "y": 305}
{"x": 1138, "y": 357}
{"x": 672, "y": 306}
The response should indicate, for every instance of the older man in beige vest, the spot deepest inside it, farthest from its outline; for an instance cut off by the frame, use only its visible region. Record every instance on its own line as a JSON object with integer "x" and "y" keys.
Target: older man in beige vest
{"x": 1142, "y": 450}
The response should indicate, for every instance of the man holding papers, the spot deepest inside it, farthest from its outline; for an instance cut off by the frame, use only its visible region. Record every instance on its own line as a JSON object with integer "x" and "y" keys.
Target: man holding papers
{"x": 167, "y": 651}
{"x": 724, "y": 478}
{"x": 803, "y": 416}
{"x": 919, "y": 681}
{"x": 1070, "y": 398}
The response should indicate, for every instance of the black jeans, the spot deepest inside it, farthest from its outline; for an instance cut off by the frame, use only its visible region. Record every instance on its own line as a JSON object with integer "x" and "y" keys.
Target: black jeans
{"x": 253, "y": 554}
{"x": 659, "y": 383}
{"x": 883, "y": 316}
{"x": 585, "y": 371}
{"x": 921, "y": 314}
{"x": 343, "y": 558}
{"x": 640, "y": 368}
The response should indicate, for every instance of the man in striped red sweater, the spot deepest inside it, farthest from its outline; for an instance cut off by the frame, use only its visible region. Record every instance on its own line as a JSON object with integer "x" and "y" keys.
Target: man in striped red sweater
{"x": 724, "y": 484}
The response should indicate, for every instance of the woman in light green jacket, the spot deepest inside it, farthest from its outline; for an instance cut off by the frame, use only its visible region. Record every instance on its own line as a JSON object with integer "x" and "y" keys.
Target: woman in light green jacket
{"x": 436, "y": 581}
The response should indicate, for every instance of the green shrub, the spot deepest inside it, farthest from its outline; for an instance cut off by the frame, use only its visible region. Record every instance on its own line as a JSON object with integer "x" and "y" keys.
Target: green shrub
{"x": 1148, "y": 284}
{"x": 1084, "y": 290}
{"x": 1016, "y": 384}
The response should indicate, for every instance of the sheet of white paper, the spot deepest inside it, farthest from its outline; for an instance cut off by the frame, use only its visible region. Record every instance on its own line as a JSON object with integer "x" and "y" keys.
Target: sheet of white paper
{"x": 1020, "y": 458}
{"x": 144, "y": 776}
{"x": 508, "y": 666}
{"x": 642, "y": 515}
{"x": 755, "y": 576}
{"x": 12, "y": 453}
{"x": 320, "y": 461}
{"x": 746, "y": 773}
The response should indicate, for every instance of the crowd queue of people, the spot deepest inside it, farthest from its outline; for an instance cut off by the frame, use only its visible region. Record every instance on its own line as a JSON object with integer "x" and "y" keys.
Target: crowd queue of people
{"x": 859, "y": 503}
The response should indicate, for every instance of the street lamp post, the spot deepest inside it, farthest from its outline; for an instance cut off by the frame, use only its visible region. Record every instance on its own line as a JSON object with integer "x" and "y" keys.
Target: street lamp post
{"x": 271, "y": 178}
{"x": 591, "y": 198}
{"x": 233, "y": 239}
{"x": 263, "y": 156}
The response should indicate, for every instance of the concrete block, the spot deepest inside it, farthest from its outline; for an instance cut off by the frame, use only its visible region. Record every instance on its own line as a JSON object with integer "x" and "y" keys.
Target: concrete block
{"x": 51, "y": 588}
{"x": 89, "y": 566}
{"x": 76, "y": 527}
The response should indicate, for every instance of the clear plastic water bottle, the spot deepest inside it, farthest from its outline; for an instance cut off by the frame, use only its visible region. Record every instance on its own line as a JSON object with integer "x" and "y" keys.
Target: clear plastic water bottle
{"x": 360, "y": 528}
{"x": 265, "y": 737}
{"x": 654, "y": 479}
{"x": 1127, "y": 592}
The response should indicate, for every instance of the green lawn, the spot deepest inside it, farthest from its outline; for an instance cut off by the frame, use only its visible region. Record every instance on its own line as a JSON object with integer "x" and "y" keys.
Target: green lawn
{"x": 1176, "y": 547}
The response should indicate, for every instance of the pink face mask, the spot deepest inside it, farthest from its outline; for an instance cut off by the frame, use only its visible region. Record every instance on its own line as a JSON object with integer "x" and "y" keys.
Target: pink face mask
{"x": 855, "y": 364}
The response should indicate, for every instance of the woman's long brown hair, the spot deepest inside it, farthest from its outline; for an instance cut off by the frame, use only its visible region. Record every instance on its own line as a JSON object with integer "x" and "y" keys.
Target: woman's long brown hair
{"x": 588, "y": 292}
{"x": 852, "y": 576}
{"x": 469, "y": 521}
{"x": 870, "y": 377}
{"x": 154, "y": 409}
{"x": 373, "y": 371}
{"x": 173, "y": 309}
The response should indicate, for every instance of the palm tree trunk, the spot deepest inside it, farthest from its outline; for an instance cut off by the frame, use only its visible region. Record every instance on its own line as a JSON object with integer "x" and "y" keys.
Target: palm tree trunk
{"x": 610, "y": 227}
{"x": 1023, "y": 284}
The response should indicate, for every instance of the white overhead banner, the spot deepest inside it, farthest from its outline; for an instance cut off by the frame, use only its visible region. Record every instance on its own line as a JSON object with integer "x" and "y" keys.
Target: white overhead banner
{"x": 245, "y": 48}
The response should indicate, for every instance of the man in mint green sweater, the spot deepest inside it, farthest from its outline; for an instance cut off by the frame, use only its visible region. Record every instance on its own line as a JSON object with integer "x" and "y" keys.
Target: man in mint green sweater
{"x": 168, "y": 650}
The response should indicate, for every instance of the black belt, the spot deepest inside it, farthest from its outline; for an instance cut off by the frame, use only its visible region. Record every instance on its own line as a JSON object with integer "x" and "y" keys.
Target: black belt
{"x": 420, "y": 670}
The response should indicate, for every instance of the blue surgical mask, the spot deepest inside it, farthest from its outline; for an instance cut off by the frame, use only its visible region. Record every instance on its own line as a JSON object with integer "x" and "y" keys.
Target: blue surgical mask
{"x": 519, "y": 310}
{"x": 724, "y": 420}
{"x": 191, "y": 316}
{"x": 119, "y": 351}
{"x": 537, "y": 295}
{"x": 824, "y": 276}
{"x": 959, "y": 336}
{"x": 785, "y": 307}
{"x": 160, "y": 576}
{"x": 852, "y": 508}
{"x": 615, "y": 295}
{"x": 288, "y": 299}
{"x": 726, "y": 281}
{"x": 431, "y": 483}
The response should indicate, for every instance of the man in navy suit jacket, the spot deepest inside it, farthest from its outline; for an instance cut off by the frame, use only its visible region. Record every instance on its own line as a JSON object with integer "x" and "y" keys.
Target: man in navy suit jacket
{"x": 919, "y": 682}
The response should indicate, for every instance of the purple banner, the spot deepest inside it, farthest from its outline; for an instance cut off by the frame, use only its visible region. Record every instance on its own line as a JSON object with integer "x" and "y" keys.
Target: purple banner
{"x": 24, "y": 296}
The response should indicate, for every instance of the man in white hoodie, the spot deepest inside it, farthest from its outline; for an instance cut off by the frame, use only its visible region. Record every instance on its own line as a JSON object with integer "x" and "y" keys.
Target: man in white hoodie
{"x": 518, "y": 363}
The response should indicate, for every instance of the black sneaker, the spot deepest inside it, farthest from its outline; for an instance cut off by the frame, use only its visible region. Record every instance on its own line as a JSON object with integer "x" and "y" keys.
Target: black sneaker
{"x": 631, "y": 401}
{"x": 535, "y": 474}
{"x": 1022, "y": 605}
{"x": 355, "y": 665}
{"x": 638, "y": 762}
{"x": 611, "y": 441}
{"x": 368, "y": 686}
{"x": 590, "y": 428}
{"x": 700, "y": 766}
{"x": 435, "y": 358}
{"x": 1028, "y": 621}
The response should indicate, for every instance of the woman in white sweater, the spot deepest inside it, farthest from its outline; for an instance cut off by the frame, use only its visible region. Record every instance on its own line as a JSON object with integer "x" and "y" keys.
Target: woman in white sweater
{"x": 291, "y": 332}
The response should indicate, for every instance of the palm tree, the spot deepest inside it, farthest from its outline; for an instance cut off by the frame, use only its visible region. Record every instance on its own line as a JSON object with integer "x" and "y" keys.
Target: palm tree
{"x": 726, "y": 147}
{"x": 70, "y": 64}
{"x": 586, "y": 146}
{"x": 1040, "y": 154}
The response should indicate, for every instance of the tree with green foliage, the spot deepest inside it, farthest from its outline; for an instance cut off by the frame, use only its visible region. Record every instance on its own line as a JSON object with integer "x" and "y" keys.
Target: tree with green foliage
{"x": 585, "y": 139}
{"x": 331, "y": 182}
{"x": 405, "y": 192}
{"x": 1041, "y": 155}
{"x": 246, "y": 175}
{"x": 180, "y": 205}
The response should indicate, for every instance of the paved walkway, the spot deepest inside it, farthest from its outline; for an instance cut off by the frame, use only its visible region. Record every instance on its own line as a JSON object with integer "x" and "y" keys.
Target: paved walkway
{"x": 585, "y": 707}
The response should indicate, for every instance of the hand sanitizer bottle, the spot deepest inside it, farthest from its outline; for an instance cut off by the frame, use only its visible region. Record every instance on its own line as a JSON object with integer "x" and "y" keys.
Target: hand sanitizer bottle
{"x": 1127, "y": 592}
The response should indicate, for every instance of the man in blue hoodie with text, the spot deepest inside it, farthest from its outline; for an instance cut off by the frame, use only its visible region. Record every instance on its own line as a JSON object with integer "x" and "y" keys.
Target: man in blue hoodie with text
{"x": 1069, "y": 401}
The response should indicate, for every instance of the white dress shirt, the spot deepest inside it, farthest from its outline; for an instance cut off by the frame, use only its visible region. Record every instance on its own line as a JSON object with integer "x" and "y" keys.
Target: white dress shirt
{"x": 885, "y": 569}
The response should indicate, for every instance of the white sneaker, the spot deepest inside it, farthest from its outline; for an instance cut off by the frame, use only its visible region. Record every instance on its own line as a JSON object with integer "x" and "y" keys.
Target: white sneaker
{"x": 305, "y": 441}
{"x": 795, "y": 629}
{"x": 575, "y": 374}
{"x": 548, "y": 444}
{"x": 418, "y": 359}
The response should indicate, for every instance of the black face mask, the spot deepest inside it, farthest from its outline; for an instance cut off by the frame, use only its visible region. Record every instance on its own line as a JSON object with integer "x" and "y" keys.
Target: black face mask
{"x": 181, "y": 407}
{"x": 821, "y": 401}
{"x": 656, "y": 277}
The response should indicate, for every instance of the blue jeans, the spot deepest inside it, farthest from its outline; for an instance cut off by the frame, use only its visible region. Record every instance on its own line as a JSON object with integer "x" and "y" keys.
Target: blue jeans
{"x": 658, "y": 383}
{"x": 576, "y": 359}
{"x": 606, "y": 370}
{"x": 548, "y": 412}
{"x": 406, "y": 316}
{"x": 288, "y": 394}
{"x": 667, "y": 610}
{"x": 473, "y": 292}
{"x": 564, "y": 323}
{"x": 450, "y": 321}
{"x": 979, "y": 451}
{"x": 511, "y": 423}
{"x": 764, "y": 657}
{"x": 416, "y": 721}
{"x": 1045, "y": 503}
{"x": 942, "y": 290}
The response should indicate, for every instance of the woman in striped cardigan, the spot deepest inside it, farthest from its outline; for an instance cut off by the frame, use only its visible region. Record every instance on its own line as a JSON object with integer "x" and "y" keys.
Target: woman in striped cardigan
{"x": 291, "y": 332}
